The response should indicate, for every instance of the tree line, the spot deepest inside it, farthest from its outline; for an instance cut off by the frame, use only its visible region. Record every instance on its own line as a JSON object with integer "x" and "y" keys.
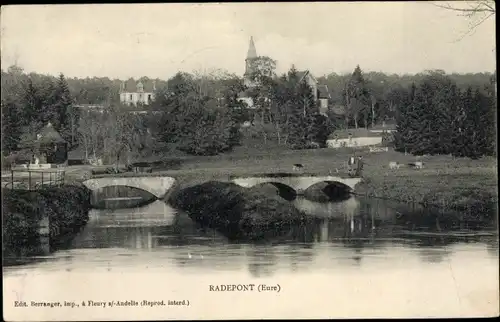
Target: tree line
{"x": 437, "y": 117}
{"x": 201, "y": 114}
{"x": 27, "y": 106}
{"x": 378, "y": 96}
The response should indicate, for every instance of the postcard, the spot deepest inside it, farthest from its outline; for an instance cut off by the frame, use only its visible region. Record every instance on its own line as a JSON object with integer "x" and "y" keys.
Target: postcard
{"x": 249, "y": 160}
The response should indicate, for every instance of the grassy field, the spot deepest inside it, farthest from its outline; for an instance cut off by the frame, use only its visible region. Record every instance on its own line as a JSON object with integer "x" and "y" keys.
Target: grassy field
{"x": 444, "y": 181}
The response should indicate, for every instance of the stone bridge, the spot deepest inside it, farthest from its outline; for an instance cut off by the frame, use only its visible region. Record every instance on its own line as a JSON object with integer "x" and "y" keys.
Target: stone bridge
{"x": 299, "y": 183}
{"x": 157, "y": 186}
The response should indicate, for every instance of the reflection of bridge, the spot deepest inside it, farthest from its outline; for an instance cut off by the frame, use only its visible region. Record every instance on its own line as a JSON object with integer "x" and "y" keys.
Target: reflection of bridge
{"x": 297, "y": 183}
{"x": 158, "y": 186}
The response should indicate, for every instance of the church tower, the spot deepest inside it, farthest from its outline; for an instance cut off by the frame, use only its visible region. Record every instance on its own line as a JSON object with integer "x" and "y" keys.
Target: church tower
{"x": 250, "y": 62}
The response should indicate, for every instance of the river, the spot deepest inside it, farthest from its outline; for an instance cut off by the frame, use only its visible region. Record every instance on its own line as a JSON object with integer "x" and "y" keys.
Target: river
{"x": 355, "y": 261}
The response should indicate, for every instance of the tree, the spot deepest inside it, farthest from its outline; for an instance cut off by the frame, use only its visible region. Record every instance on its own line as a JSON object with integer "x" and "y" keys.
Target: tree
{"x": 62, "y": 107}
{"x": 196, "y": 123}
{"x": 119, "y": 135}
{"x": 32, "y": 113}
{"x": 357, "y": 98}
{"x": 406, "y": 122}
{"x": 11, "y": 126}
{"x": 262, "y": 67}
{"x": 462, "y": 126}
{"x": 304, "y": 110}
{"x": 476, "y": 11}
{"x": 260, "y": 84}
{"x": 49, "y": 99}
{"x": 90, "y": 134}
{"x": 236, "y": 109}
{"x": 485, "y": 126}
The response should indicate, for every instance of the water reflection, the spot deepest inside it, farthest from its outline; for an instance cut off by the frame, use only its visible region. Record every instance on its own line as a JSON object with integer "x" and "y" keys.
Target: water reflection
{"x": 351, "y": 232}
{"x": 261, "y": 260}
{"x": 120, "y": 197}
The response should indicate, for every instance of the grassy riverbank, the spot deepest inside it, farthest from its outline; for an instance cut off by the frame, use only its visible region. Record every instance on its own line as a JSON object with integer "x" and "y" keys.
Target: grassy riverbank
{"x": 65, "y": 207}
{"x": 444, "y": 182}
{"x": 452, "y": 183}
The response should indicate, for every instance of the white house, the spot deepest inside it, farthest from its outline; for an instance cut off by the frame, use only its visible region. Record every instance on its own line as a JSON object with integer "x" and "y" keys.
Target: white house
{"x": 134, "y": 93}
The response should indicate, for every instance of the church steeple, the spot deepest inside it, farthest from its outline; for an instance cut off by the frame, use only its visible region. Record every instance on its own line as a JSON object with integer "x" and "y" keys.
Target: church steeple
{"x": 250, "y": 63}
{"x": 252, "y": 53}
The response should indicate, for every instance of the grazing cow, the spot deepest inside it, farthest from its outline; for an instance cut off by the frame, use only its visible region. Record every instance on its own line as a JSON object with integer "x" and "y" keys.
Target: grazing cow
{"x": 419, "y": 165}
{"x": 297, "y": 167}
{"x": 394, "y": 165}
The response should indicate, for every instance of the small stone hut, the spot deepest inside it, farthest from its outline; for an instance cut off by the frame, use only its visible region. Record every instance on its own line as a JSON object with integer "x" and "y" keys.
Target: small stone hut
{"x": 50, "y": 146}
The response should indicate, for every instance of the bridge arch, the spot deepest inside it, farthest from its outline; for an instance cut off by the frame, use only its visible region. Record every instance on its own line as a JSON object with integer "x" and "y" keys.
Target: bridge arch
{"x": 284, "y": 191}
{"x": 299, "y": 183}
{"x": 157, "y": 186}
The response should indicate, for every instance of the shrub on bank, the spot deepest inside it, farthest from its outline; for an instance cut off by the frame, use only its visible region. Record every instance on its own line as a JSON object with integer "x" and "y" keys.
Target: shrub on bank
{"x": 237, "y": 212}
{"x": 66, "y": 207}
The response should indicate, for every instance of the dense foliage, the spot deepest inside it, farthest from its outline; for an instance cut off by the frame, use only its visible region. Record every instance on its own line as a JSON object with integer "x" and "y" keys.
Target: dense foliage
{"x": 437, "y": 117}
{"x": 194, "y": 122}
{"x": 201, "y": 114}
{"x": 66, "y": 208}
{"x": 28, "y": 105}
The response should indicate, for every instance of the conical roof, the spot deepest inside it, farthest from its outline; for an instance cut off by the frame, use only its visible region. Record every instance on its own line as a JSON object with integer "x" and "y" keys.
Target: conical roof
{"x": 252, "y": 52}
{"x": 49, "y": 135}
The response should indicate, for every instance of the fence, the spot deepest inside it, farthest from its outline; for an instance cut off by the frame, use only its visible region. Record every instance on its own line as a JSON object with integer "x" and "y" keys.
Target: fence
{"x": 35, "y": 179}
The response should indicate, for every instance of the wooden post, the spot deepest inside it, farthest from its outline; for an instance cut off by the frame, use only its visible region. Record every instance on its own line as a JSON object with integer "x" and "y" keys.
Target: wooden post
{"x": 12, "y": 179}
{"x": 42, "y": 179}
{"x": 29, "y": 181}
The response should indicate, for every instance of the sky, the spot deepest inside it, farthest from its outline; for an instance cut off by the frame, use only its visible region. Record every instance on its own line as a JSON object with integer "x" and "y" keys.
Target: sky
{"x": 158, "y": 40}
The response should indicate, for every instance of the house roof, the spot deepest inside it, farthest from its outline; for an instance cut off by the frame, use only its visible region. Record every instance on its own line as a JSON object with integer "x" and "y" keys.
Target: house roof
{"x": 323, "y": 91}
{"x": 355, "y": 133}
{"x": 131, "y": 85}
{"x": 303, "y": 73}
{"x": 49, "y": 135}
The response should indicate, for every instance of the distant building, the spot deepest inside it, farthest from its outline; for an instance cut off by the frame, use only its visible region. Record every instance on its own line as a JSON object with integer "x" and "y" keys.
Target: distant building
{"x": 50, "y": 147}
{"x": 250, "y": 68}
{"x": 320, "y": 91}
{"x": 135, "y": 93}
{"x": 250, "y": 64}
{"x": 324, "y": 98}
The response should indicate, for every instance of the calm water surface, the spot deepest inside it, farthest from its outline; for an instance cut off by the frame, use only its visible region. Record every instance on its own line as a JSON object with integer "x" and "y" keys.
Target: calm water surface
{"x": 353, "y": 262}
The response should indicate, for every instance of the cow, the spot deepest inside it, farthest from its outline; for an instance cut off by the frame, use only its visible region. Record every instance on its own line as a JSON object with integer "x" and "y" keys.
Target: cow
{"x": 394, "y": 165}
{"x": 297, "y": 167}
{"x": 419, "y": 165}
